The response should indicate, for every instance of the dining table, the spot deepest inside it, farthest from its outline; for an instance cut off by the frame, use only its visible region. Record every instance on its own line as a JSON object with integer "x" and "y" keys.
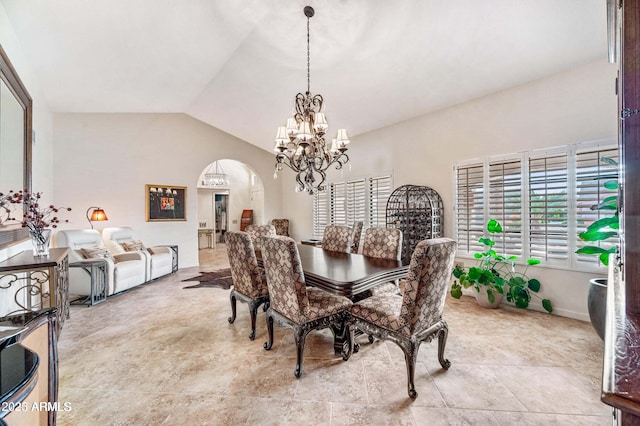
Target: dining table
{"x": 345, "y": 274}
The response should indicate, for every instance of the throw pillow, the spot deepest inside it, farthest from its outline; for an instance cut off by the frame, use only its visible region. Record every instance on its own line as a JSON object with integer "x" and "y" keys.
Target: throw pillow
{"x": 135, "y": 245}
{"x": 96, "y": 252}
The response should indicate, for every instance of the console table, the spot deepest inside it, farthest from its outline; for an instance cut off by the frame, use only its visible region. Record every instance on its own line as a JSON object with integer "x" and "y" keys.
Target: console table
{"x": 38, "y": 282}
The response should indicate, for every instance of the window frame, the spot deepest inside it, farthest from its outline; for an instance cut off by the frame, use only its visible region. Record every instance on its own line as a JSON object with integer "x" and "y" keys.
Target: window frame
{"x": 572, "y": 261}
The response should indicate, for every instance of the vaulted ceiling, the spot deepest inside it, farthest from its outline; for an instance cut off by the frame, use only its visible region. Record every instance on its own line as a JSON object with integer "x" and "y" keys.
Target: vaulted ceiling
{"x": 237, "y": 64}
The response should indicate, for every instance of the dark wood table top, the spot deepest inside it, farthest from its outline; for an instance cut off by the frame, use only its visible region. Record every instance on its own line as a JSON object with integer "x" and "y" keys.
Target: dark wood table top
{"x": 26, "y": 260}
{"x": 346, "y": 274}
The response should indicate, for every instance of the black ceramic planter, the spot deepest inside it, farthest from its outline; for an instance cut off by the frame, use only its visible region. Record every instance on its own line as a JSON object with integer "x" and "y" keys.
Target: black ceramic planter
{"x": 597, "y": 304}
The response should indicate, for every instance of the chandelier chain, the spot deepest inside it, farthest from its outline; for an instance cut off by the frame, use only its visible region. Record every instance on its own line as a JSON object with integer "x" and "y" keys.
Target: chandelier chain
{"x": 308, "y": 59}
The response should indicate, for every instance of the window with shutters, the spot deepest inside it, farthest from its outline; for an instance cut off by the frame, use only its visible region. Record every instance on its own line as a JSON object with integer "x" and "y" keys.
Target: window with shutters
{"x": 542, "y": 199}
{"x": 548, "y": 207}
{"x": 591, "y": 174}
{"x": 362, "y": 199}
{"x": 505, "y": 204}
{"x": 470, "y": 207}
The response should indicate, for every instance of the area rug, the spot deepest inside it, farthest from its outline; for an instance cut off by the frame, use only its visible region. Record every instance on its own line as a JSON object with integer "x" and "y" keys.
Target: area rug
{"x": 220, "y": 279}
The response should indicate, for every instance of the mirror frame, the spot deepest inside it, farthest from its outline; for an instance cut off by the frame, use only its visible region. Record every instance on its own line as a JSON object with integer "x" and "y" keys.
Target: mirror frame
{"x": 10, "y": 77}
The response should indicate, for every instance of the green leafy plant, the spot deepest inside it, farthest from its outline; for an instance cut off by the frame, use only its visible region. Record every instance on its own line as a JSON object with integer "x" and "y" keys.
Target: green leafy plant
{"x": 605, "y": 228}
{"x": 495, "y": 271}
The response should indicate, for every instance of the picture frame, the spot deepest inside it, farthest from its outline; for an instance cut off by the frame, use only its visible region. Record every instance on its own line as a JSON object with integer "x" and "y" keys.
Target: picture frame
{"x": 165, "y": 203}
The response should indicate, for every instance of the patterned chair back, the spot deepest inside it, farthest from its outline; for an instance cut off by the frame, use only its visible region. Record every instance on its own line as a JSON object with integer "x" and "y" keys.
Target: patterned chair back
{"x": 337, "y": 238}
{"x": 258, "y": 231}
{"x": 427, "y": 284}
{"x": 285, "y": 279}
{"x": 385, "y": 243}
{"x": 282, "y": 226}
{"x": 247, "y": 277}
{"x": 356, "y": 233}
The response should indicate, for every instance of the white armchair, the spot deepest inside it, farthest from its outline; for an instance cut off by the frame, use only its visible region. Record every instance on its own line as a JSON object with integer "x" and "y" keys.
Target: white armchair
{"x": 159, "y": 259}
{"x": 124, "y": 270}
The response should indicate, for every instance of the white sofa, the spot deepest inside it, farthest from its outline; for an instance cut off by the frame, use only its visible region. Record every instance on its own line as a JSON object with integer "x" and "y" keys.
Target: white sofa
{"x": 124, "y": 270}
{"x": 159, "y": 259}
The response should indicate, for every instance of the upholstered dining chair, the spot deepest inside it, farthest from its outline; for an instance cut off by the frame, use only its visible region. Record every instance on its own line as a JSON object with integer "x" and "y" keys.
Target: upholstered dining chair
{"x": 282, "y": 226}
{"x": 337, "y": 238}
{"x": 383, "y": 243}
{"x": 295, "y": 305}
{"x": 249, "y": 285}
{"x": 356, "y": 233}
{"x": 416, "y": 316}
{"x": 257, "y": 231}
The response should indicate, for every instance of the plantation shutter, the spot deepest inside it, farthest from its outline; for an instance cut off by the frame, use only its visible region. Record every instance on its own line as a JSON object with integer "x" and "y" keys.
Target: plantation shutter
{"x": 356, "y": 204}
{"x": 591, "y": 174}
{"x": 548, "y": 208}
{"x": 470, "y": 219}
{"x": 505, "y": 204}
{"x": 320, "y": 213}
{"x": 379, "y": 191}
{"x": 338, "y": 209}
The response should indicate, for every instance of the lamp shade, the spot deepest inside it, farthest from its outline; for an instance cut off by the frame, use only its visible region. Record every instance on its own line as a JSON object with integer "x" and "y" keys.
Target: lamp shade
{"x": 98, "y": 215}
{"x": 304, "y": 131}
{"x": 343, "y": 137}
{"x": 320, "y": 122}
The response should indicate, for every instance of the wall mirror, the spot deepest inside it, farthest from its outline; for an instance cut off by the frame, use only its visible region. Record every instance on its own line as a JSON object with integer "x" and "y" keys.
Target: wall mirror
{"x": 15, "y": 141}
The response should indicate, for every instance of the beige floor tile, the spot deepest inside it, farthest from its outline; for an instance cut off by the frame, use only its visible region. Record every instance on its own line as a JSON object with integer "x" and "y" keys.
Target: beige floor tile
{"x": 163, "y": 355}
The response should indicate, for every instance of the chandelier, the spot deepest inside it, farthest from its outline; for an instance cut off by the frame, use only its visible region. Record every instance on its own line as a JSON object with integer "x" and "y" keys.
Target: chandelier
{"x": 300, "y": 145}
{"x": 215, "y": 176}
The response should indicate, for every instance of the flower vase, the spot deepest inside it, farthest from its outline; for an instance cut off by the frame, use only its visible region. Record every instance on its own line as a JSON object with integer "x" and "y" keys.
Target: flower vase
{"x": 40, "y": 238}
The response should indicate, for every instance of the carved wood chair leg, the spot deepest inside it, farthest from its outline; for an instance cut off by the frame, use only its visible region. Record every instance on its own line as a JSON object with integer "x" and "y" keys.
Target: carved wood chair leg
{"x": 253, "y": 312}
{"x": 232, "y": 299}
{"x": 299, "y": 336}
{"x": 410, "y": 357}
{"x": 269, "y": 344}
{"x": 347, "y": 349}
{"x": 442, "y": 342}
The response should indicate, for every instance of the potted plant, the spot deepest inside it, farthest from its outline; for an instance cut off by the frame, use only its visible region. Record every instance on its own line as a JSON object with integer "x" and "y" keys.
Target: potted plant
{"x": 602, "y": 229}
{"x": 497, "y": 275}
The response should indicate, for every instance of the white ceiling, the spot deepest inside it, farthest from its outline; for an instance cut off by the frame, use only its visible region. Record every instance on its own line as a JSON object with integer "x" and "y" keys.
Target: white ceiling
{"x": 237, "y": 64}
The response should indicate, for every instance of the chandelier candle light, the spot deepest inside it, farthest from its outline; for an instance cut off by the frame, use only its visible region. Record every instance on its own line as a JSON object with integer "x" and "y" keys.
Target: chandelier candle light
{"x": 300, "y": 145}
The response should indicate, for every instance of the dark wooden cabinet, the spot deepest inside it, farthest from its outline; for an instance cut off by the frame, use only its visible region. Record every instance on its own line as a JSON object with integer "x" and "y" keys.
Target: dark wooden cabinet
{"x": 246, "y": 219}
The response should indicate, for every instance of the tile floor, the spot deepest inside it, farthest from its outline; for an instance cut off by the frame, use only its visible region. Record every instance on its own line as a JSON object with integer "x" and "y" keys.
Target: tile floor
{"x": 163, "y": 355}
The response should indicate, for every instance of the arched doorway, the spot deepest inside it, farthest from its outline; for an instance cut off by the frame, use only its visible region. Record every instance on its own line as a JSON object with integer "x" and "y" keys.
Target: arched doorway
{"x": 226, "y": 188}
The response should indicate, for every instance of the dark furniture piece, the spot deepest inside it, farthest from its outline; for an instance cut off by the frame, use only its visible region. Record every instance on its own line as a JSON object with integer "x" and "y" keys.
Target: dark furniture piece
{"x": 346, "y": 274}
{"x": 296, "y": 306}
{"x": 416, "y": 316}
{"x": 39, "y": 282}
{"x": 29, "y": 367}
{"x": 621, "y": 376}
{"x": 418, "y": 212}
{"x": 246, "y": 219}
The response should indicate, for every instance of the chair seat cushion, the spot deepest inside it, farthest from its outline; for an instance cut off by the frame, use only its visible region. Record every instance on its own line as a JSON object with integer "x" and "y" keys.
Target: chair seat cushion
{"x": 322, "y": 304}
{"x": 382, "y": 310}
{"x": 254, "y": 293}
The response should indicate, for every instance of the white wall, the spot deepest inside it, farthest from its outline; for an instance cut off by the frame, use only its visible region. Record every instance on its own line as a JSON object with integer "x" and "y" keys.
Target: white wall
{"x": 574, "y": 106}
{"x": 106, "y": 160}
{"x": 42, "y": 124}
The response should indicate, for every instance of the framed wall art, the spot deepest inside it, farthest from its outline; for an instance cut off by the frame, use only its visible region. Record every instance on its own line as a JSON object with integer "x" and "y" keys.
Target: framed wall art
{"x": 166, "y": 203}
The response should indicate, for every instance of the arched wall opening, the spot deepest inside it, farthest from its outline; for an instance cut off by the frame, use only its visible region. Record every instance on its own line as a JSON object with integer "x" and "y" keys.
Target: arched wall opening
{"x": 225, "y": 188}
